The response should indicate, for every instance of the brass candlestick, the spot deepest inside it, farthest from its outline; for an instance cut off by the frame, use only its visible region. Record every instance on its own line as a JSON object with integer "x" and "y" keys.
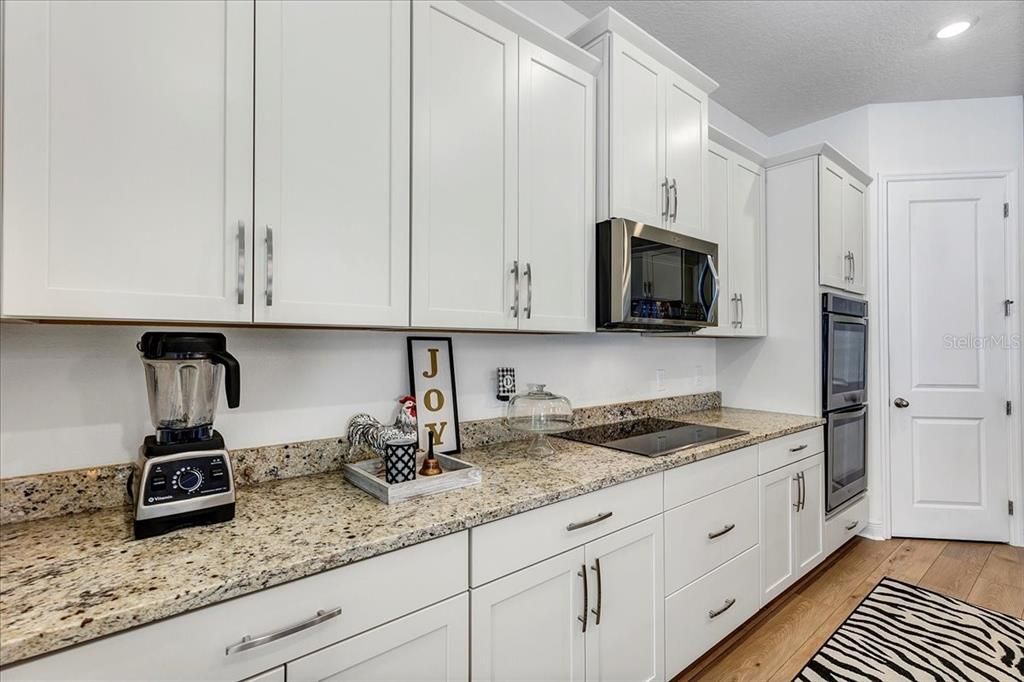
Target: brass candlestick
{"x": 431, "y": 467}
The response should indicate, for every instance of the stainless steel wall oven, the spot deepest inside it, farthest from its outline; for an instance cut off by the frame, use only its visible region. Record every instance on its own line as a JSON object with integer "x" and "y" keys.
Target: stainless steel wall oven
{"x": 844, "y": 394}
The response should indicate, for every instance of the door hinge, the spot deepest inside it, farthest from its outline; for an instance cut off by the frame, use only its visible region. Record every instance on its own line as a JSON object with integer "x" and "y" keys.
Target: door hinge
{"x": 1010, "y": 506}
{"x": 1009, "y": 407}
{"x": 1006, "y": 210}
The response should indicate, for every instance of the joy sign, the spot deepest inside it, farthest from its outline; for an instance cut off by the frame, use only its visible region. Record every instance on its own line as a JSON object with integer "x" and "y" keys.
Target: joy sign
{"x": 432, "y": 381}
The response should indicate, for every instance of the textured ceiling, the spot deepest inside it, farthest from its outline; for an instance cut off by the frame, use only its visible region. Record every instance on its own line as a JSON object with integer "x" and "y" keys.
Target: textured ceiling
{"x": 785, "y": 63}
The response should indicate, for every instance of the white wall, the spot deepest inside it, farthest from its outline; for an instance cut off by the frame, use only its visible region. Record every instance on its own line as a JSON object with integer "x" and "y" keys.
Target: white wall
{"x": 74, "y": 396}
{"x": 847, "y": 132}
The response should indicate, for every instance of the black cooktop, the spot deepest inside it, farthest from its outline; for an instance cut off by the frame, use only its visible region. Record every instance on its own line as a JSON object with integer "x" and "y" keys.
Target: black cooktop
{"x": 650, "y": 436}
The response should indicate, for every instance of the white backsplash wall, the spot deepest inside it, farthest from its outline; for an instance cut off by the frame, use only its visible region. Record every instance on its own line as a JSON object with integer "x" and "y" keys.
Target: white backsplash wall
{"x": 74, "y": 396}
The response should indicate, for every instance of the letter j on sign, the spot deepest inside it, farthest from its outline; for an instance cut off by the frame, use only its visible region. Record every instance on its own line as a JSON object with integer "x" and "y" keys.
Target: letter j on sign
{"x": 432, "y": 381}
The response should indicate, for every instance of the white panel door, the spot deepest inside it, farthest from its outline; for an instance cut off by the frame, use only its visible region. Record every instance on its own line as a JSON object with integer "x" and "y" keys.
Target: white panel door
{"x": 855, "y": 233}
{"x": 431, "y": 645}
{"x": 332, "y": 162}
{"x": 810, "y": 516}
{"x": 947, "y": 283}
{"x": 833, "y": 262}
{"x": 746, "y": 250}
{"x": 527, "y": 626}
{"x": 778, "y": 493}
{"x": 556, "y": 193}
{"x": 637, "y": 184}
{"x": 686, "y": 144}
{"x": 625, "y": 637}
{"x": 464, "y": 205}
{"x": 127, "y": 168}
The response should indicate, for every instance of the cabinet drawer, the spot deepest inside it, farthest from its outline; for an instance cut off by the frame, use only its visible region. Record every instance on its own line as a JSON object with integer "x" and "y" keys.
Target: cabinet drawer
{"x": 504, "y": 546}
{"x": 687, "y": 483}
{"x": 845, "y": 525}
{"x": 779, "y": 452}
{"x": 691, "y": 626}
{"x": 729, "y": 515}
{"x": 193, "y": 645}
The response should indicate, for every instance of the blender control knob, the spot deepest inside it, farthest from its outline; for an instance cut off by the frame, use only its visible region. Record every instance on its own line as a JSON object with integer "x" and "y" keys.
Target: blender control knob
{"x": 188, "y": 479}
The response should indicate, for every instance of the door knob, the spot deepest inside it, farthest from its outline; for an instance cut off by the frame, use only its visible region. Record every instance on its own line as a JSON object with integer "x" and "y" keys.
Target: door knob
{"x": 901, "y": 403}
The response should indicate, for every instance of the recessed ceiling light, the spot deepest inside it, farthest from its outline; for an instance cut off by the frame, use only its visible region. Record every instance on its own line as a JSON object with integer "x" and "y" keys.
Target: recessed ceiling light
{"x": 954, "y": 29}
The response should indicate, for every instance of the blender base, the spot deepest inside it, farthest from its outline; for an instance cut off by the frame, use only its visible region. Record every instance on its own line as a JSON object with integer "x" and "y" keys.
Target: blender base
{"x": 148, "y": 528}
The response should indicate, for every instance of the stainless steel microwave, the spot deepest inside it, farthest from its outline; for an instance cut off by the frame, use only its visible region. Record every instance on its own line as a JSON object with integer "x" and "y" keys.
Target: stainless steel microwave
{"x": 650, "y": 279}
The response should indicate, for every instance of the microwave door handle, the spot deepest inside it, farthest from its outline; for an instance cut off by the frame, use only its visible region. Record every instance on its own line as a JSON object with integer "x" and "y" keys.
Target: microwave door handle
{"x": 717, "y": 288}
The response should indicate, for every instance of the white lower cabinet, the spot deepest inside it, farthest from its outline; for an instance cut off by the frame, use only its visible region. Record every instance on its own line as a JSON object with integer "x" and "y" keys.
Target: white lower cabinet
{"x": 704, "y": 612}
{"x": 791, "y": 523}
{"x": 529, "y": 625}
{"x": 431, "y": 645}
{"x": 595, "y": 612}
{"x": 275, "y": 675}
{"x": 845, "y": 524}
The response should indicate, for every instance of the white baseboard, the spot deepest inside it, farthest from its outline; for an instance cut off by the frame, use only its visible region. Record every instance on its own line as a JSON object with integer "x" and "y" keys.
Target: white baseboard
{"x": 873, "y": 531}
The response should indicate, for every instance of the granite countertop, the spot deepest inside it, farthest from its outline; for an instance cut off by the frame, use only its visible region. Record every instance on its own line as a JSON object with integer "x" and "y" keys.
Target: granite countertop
{"x": 70, "y": 579}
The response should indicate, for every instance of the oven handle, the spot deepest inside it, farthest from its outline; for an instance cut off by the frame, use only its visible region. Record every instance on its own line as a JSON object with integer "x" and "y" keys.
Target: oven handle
{"x": 715, "y": 291}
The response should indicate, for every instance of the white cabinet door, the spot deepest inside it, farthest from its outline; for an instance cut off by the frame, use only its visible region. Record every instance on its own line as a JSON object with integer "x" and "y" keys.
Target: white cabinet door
{"x": 833, "y": 262}
{"x": 686, "y": 144}
{"x": 332, "y": 162}
{"x": 556, "y": 193}
{"x": 746, "y": 247}
{"x": 637, "y": 183}
{"x": 718, "y": 231}
{"x": 778, "y": 492}
{"x": 429, "y": 645}
{"x": 810, "y": 517}
{"x": 855, "y": 233}
{"x": 127, "y": 168}
{"x": 275, "y": 675}
{"x": 464, "y": 203}
{"x": 528, "y": 625}
{"x": 625, "y": 637}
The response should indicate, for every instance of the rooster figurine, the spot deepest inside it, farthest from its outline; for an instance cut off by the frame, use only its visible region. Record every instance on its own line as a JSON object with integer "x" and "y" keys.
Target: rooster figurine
{"x": 366, "y": 432}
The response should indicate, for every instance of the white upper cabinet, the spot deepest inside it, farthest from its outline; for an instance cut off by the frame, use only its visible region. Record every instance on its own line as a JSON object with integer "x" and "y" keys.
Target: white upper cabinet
{"x": 556, "y": 193}
{"x": 332, "y": 162}
{"x": 464, "y": 182}
{"x": 652, "y": 128}
{"x": 842, "y": 226}
{"x": 127, "y": 168}
{"x": 736, "y": 221}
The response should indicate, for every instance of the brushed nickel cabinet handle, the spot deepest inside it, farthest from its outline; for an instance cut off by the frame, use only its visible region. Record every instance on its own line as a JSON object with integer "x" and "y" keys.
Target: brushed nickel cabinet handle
{"x": 250, "y": 642}
{"x": 853, "y": 266}
{"x": 515, "y": 278}
{"x": 586, "y": 615}
{"x": 597, "y": 612}
{"x": 576, "y": 525}
{"x": 743, "y": 310}
{"x": 851, "y": 525}
{"x": 664, "y": 194}
{"x": 269, "y": 290}
{"x": 803, "y": 491}
{"x": 798, "y": 448}
{"x": 675, "y": 200}
{"x": 529, "y": 291}
{"x": 240, "y": 244}
{"x": 720, "y": 533}
{"x": 715, "y": 613}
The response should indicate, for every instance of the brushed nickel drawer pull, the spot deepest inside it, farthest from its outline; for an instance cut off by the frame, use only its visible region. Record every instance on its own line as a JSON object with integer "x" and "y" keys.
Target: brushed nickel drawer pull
{"x": 852, "y": 525}
{"x": 576, "y": 525}
{"x": 250, "y": 642}
{"x": 715, "y": 613}
{"x": 586, "y": 615}
{"x": 720, "y": 533}
{"x": 798, "y": 448}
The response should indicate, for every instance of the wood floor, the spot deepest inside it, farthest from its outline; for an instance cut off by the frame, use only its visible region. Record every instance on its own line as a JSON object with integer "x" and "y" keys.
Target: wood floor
{"x": 777, "y": 643}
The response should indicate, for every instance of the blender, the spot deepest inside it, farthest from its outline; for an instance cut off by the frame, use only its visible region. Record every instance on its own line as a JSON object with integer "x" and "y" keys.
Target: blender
{"x": 182, "y": 476}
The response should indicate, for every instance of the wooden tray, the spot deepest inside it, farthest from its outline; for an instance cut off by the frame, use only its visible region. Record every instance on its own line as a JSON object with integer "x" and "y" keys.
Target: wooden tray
{"x": 457, "y": 474}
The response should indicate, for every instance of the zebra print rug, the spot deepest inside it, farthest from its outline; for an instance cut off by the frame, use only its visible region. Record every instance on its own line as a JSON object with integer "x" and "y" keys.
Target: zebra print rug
{"x": 904, "y": 632}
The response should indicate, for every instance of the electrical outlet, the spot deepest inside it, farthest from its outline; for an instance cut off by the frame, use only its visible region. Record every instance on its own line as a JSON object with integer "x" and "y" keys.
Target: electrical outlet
{"x": 659, "y": 380}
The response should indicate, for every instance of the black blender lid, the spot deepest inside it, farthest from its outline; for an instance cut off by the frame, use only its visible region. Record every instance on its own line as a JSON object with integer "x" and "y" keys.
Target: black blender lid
{"x": 158, "y": 344}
